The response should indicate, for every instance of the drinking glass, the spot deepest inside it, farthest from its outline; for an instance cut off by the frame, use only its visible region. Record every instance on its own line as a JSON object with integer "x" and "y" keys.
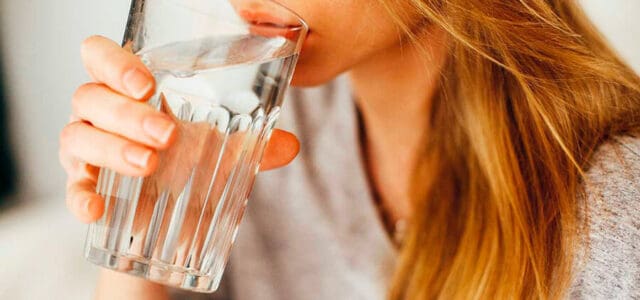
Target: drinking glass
{"x": 221, "y": 69}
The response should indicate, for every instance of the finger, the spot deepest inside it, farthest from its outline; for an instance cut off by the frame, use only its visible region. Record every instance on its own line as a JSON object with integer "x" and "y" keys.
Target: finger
{"x": 82, "y": 200}
{"x": 116, "y": 67}
{"x": 102, "y": 149}
{"x": 74, "y": 167}
{"x": 281, "y": 150}
{"x": 77, "y": 169}
{"x": 69, "y": 163}
{"x": 116, "y": 113}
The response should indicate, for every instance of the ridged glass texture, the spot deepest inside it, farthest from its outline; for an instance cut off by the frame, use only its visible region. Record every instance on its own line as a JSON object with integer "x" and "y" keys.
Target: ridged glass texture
{"x": 221, "y": 69}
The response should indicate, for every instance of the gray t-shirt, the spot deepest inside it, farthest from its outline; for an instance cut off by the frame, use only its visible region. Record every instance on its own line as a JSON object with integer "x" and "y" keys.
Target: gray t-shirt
{"x": 312, "y": 230}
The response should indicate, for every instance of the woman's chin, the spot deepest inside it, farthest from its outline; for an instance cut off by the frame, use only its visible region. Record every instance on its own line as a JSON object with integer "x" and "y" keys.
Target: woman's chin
{"x": 300, "y": 81}
{"x": 304, "y": 78}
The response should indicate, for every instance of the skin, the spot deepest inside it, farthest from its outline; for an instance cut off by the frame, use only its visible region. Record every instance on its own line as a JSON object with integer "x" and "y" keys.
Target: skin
{"x": 392, "y": 83}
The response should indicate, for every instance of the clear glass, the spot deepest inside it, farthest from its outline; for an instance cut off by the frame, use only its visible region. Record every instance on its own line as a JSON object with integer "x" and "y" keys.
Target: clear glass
{"x": 221, "y": 69}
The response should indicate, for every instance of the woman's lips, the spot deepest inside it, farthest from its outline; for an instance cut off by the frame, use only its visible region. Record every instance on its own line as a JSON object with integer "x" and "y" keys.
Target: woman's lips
{"x": 264, "y": 18}
{"x": 265, "y": 24}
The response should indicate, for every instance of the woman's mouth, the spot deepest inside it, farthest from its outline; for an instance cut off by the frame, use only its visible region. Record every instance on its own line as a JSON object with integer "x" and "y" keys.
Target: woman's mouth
{"x": 267, "y": 19}
{"x": 269, "y": 25}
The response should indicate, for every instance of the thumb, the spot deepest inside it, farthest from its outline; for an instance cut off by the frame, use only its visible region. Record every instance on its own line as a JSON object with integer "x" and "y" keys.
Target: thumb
{"x": 281, "y": 150}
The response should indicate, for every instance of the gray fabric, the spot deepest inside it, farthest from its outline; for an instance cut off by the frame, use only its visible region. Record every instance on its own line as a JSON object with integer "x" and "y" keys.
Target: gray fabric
{"x": 610, "y": 268}
{"x": 312, "y": 231}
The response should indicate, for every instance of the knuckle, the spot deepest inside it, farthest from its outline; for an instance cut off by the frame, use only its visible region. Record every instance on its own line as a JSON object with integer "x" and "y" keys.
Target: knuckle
{"x": 81, "y": 95}
{"x": 66, "y": 136}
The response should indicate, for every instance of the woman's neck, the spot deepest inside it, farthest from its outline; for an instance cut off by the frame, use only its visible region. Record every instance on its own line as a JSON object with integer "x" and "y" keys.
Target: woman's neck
{"x": 393, "y": 92}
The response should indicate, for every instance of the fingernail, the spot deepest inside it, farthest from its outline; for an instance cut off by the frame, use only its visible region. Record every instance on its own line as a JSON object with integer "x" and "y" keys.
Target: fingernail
{"x": 137, "y": 83}
{"x": 137, "y": 156}
{"x": 159, "y": 128}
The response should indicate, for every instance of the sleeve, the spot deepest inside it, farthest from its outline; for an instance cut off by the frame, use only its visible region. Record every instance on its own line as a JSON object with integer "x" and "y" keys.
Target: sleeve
{"x": 610, "y": 265}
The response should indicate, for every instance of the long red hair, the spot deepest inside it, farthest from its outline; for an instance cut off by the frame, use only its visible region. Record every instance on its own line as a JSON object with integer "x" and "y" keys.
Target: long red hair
{"x": 529, "y": 92}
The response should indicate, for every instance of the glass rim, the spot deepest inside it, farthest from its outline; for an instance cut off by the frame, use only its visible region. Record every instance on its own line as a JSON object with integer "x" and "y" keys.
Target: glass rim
{"x": 296, "y": 26}
{"x": 301, "y": 25}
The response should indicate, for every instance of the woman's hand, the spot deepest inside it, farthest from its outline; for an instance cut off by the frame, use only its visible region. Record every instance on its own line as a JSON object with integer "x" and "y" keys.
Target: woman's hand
{"x": 112, "y": 127}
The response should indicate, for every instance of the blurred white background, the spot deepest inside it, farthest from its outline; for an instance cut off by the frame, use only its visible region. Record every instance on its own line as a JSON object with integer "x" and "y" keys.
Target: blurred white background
{"x": 40, "y": 245}
{"x": 41, "y": 53}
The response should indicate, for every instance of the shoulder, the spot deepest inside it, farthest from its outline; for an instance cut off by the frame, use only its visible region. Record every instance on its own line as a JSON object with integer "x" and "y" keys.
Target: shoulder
{"x": 618, "y": 152}
{"x": 613, "y": 178}
{"x": 610, "y": 266}
{"x": 612, "y": 190}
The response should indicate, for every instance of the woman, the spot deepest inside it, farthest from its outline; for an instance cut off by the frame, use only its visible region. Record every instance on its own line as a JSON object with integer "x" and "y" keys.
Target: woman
{"x": 495, "y": 140}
